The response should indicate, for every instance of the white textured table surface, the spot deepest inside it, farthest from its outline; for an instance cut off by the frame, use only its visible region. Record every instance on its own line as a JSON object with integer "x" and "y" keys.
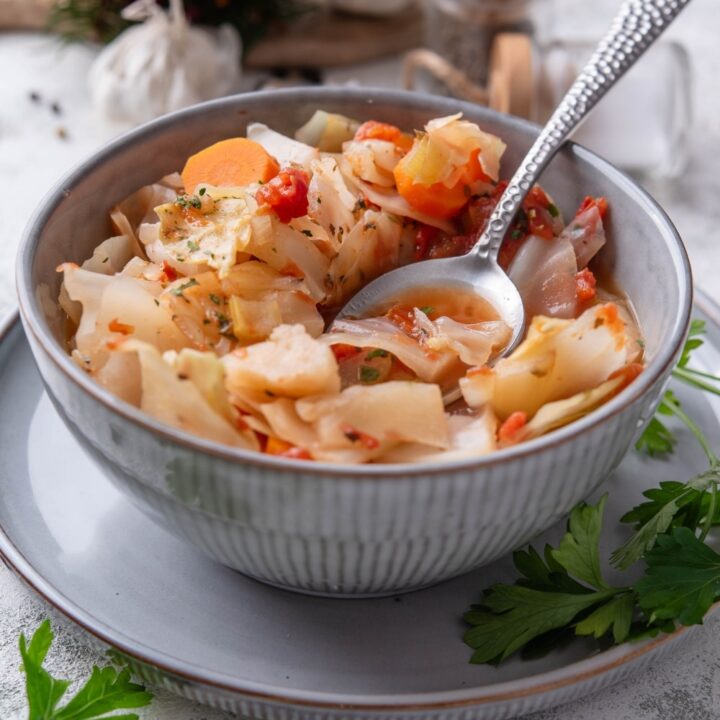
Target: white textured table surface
{"x": 32, "y": 157}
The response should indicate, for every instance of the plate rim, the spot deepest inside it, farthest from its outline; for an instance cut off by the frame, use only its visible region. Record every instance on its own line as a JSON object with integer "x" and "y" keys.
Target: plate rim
{"x": 534, "y": 685}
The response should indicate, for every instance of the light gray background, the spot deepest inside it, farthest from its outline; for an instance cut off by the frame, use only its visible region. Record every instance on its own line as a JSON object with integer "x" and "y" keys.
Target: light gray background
{"x": 32, "y": 157}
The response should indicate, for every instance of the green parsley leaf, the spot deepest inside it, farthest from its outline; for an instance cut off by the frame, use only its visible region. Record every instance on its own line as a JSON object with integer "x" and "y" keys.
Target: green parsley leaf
{"x": 369, "y": 374}
{"x": 694, "y": 341}
{"x": 547, "y": 598}
{"x": 180, "y": 289}
{"x": 512, "y": 615}
{"x": 214, "y": 299}
{"x": 668, "y": 505}
{"x": 553, "y": 210}
{"x": 105, "y": 691}
{"x": 202, "y": 191}
{"x": 544, "y": 573}
{"x": 579, "y": 552}
{"x": 669, "y": 492}
{"x": 184, "y": 201}
{"x": 192, "y": 246}
{"x": 656, "y": 439}
{"x": 307, "y": 232}
{"x": 43, "y": 691}
{"x": 682, "y": 578}
{"x": 377, "y": 352}
{"x": 427, "y": 309}
{"x": 616, "y": 614}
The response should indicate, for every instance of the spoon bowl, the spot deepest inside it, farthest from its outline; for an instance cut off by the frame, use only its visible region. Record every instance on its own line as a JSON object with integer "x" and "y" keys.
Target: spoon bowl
{"x": 467, "y": 273}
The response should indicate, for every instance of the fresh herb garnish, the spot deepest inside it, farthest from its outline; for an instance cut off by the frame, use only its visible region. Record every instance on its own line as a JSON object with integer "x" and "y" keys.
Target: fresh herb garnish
{"x": 369, "y": 374}
{"x": 202, "y": 191}
{"x": 105, "y": 691}
{"x": 185, "y": 201}
{"x": 214, "y": 299}
{"x": 427, "y": 309}
{"x": 180, "y": 289}
{"x": 553, "y": 210}
{"x": 307, "y": 232}
{"x": 564, "y": 592}
{"x": 377, "y": 352}
{"x": 657, "y": 439}
{"x": 192, "y": 246}
{"x": 224, "y": 325}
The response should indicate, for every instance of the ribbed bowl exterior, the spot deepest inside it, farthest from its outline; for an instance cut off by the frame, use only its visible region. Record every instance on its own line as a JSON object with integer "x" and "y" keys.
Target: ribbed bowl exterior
{"x": 346, "y": 535}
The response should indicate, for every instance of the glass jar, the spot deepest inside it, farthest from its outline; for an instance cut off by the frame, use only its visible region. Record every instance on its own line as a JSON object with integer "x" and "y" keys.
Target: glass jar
{"x": 643, "y": 123}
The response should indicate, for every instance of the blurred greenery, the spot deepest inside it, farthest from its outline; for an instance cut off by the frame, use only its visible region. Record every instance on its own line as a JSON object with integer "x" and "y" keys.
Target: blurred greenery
{"x": 101, "y": 20}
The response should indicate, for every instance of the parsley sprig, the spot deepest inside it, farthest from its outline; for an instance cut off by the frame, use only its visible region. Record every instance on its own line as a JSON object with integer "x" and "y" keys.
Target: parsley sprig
{"x": 106, "y": 690}
{"x": 562, "y": 592}
{"x": 657, "y": 439}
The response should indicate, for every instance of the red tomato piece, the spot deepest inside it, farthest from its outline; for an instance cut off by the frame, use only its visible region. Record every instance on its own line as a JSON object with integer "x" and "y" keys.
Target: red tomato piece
{"x": 170, "y": 271}
{"x": 343, "y": 351}
{"x": 585, "y": 283}
{"x": 403, "y": 317}
{"x": 601, "y": 203}
{"x": 374, "y": 130}
{"x": 424, "y": 239}
{"x": 286, "y": 194}
{"x": 509, "y": 429}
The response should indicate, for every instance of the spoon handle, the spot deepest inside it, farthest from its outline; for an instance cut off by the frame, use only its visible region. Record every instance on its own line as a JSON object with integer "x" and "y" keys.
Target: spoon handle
{"x": 634, "y": 29}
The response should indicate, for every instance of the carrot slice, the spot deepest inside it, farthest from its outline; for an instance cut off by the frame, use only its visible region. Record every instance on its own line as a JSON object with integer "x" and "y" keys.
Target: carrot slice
{"x": 436, "y": 200}
{"x": 229, "y": 163}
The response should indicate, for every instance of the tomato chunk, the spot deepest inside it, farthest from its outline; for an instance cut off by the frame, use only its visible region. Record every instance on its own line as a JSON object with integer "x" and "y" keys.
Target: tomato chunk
{"x": 343, "y": 351}
{"x": 601, "y": 203}
{"x": 374, "y": 130}
{"x": 424, "y": 239}
{"x": 286, "y": 194}
{"x": 510, "y": 428}
{"x": 585, "y": 283}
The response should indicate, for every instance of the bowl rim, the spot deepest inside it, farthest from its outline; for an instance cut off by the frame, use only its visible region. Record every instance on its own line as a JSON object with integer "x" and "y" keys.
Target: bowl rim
{"x": 33, "y": 319}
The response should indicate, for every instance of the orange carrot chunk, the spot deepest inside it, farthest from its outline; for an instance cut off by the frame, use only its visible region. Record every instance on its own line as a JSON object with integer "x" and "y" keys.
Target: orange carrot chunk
{"x": 276, "y": 446}
{"x": 435, "y": 199}
{"x": 229, "y": 163}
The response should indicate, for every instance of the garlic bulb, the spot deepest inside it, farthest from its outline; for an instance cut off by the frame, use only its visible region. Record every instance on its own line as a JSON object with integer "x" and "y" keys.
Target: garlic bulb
{"x": 163, "y": 64}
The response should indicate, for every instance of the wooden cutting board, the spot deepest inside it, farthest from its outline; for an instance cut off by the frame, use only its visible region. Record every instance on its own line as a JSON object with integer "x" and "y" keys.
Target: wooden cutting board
{"x": 318, "y": 39}
{"x": 328, "y": 39}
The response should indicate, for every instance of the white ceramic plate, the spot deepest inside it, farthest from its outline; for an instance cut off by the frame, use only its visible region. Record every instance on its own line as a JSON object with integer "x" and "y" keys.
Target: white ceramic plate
{"x": 213, "y": 635}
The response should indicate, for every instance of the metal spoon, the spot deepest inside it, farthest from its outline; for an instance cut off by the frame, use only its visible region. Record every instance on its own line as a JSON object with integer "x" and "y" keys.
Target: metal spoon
{"x": 636, "y": 27}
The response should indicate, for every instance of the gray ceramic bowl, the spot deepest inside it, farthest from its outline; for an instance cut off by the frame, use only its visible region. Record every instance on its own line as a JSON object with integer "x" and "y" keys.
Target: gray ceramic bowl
{"x": 332, "y": 529}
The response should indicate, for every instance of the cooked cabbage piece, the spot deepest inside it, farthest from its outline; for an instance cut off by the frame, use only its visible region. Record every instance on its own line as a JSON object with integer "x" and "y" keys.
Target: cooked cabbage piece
{"x": 557, "y": 359}
{"x": 290, "y": 364}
